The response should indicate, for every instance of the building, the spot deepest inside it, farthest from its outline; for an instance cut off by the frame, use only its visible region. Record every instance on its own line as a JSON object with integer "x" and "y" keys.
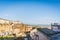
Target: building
{"x": 2, "y": 21}
{"x": 37, "y": 35}
{"x": 9, "y": 27}
{"x": 13, "y": 27}
{"x": 28, "y": 28}
{"x": 5, "y": 27}
{"x": 55, "y": 27}
{"x": 20, "y": 29}
{"x": 16, "y": 26}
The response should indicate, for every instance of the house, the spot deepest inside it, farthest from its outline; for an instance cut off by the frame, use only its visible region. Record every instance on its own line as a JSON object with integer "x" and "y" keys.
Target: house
{"x": 2, "y": 21}
{"x": 13, "y": 27}
{"x": 5, "y": 27}
{"x": 28, "y": 28}
{"x": 20, "y": 28}
{"x": 55, "y": 27}
{"x": 38, "y": 35}
{"x": 9, "y": 27}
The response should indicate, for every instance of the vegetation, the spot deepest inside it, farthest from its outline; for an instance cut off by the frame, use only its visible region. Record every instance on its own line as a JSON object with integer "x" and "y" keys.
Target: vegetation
{"x": 7, "y": 36}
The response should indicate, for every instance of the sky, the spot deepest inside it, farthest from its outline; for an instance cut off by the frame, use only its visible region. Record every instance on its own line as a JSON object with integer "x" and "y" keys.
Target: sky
{"x": 31, "y": 11}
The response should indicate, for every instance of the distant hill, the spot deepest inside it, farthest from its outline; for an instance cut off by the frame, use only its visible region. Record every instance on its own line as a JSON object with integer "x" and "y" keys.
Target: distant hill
{"x": 38, "y": 24}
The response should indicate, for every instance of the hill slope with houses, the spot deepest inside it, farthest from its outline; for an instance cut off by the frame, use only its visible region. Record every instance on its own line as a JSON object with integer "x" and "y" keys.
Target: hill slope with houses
{"x": 13, "y": 27}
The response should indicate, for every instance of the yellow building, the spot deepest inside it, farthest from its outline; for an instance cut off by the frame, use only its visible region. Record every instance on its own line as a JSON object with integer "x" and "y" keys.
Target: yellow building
{"x": 13, "y": 27}
{"x": 5, "y": 27}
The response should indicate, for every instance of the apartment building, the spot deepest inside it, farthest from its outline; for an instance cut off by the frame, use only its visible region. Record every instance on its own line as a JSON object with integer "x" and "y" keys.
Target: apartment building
{"x": 5, "y": 27}
{"x": 13, "y": 27}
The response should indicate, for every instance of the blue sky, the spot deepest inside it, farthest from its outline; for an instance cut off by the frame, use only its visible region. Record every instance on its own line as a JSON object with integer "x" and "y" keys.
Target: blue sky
{"x": 31, "y": 11}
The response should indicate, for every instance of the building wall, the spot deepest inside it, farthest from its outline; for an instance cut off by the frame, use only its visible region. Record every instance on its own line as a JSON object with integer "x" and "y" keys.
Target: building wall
{"x": 28, "y": 28}
{"x": 5, "y": 28}
{"x": 13, "y": 27}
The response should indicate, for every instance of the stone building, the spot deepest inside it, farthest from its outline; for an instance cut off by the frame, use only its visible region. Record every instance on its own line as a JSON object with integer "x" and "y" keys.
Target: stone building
{"x": 5, "y": 27}
{"x": 20, "y": 28}
{"x": 13, "y": 27}
{"x": 29, "y": 28}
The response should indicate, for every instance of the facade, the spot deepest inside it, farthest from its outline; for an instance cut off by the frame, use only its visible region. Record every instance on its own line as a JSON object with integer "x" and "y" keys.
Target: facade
{"x": 55, "y": 27}
{"x": 13, "y": 27}
{"x": 37, "y": 35}
{"x": 9, "y": 27}
{"x": 5, "y": 27}
{"x": 20, "y": 29}
{"x": 2, "y": 21}
{"x": 28, "y": 28}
